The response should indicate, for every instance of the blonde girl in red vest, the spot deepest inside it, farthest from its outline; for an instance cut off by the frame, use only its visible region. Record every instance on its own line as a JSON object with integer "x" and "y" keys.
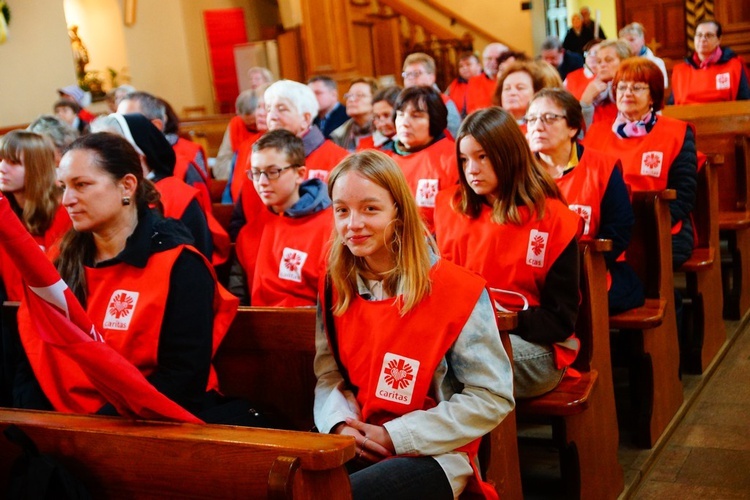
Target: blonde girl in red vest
{"x": 506, "y": 221}
{"x": 409, "y": 359}
{"x": 27, "y": 179}
{"x": 151, "y": 295}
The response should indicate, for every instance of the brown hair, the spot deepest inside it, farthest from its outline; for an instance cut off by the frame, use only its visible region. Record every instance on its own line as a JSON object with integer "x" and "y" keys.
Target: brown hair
{"x": 521, "y": 179}
{"x": 42, "y": 198}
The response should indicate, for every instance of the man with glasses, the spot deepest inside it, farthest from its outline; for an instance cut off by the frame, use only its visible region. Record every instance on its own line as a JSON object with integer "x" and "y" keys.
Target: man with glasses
{"x": 282, "y": 252}
{"x": 359, "y": 108}
{"x": 712, "y": 74}
{"x": 419, "y": 71}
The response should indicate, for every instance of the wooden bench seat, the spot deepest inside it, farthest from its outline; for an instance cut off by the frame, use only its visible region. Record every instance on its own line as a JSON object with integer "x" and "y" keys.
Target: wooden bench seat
{"x": 582, "y": 410}
{"x": 650, "y": 332}
{"x": 119, "y": 458}
{"x": 649, "y": 315}
{"x": 723, "y": 133}
{"x": 701, "y": 258}
{"x": 569, "y": 398}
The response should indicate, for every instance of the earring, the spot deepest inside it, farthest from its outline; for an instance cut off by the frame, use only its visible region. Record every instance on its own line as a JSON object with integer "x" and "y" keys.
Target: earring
{"x": 125, "y": 201}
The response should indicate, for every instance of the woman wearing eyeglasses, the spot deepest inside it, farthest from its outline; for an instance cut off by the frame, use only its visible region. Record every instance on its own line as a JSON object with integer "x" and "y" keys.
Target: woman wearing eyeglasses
{"x": 598, "y": 98}
{"x": 591, "y": 183}
{"x": 506, "y": 221}
{"x": 359, "y": 108}
{"x": 713, "y": 73}
{"x": 657, "y": 152}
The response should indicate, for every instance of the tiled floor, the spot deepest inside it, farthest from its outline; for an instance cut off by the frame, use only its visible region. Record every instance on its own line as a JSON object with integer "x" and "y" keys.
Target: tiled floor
{"x": 708, "y": 455}
{"x": 704, "y": 454}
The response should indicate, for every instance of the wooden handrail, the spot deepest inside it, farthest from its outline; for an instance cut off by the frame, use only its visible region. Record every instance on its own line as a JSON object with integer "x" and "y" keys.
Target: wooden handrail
{"x": 461, "y": 20}
{"x": 419, "y": 19}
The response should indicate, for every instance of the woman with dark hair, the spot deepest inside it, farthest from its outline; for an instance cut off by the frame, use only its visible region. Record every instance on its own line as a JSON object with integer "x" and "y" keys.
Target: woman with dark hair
{"x": 150, "y": 294}
{"x": 382, "y": 120}
{"x": 179, "y": 200}
{"x": 421, "y": 149}
{"x": 409, "y": 361}
{"x": 657, "y": 152}
{"x": 591, "y": 183}
{"x": 506, "y": 220}
{"x": 27, "y": 179}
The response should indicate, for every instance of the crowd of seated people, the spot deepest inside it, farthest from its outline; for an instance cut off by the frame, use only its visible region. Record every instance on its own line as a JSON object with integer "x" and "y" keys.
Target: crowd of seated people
{"x": 404, "y": 215}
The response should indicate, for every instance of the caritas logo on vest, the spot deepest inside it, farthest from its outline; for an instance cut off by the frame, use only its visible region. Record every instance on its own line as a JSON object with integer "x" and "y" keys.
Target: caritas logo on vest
{"x": 397, "y": 378}
{"x": 120, "y": 309}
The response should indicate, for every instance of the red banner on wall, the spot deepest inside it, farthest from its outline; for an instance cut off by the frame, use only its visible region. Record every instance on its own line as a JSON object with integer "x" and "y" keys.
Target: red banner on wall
{"x": 225, "y": 28}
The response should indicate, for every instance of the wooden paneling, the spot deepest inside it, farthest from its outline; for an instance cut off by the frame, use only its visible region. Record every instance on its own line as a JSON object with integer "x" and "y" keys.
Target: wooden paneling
{"x": 327, "y": 37}
{"x": 663, "y": 20}
{"x": 734, "y": 16}
{"x": 363, "y": 40}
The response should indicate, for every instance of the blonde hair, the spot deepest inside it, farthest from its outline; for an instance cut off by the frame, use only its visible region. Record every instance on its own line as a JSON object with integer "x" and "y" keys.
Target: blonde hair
{"x": 37, "y": 155}
{"x": 411, "y": 244}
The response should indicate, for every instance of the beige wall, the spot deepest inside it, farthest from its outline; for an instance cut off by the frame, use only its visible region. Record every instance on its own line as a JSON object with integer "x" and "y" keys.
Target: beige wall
{"x": 36, "y": 60}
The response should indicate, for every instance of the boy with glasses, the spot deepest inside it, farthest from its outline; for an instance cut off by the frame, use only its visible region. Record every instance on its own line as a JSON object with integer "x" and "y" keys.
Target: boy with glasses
{"x": 282, "y": 250}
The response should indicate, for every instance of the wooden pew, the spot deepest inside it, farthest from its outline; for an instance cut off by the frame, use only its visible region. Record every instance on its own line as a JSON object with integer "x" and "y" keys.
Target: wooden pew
{"x": 651, "y": 330}
{"x": 217, "y": 189}
{"x": 582, "y": 410}
{"x": 723, "y": 133}
{"x": 267, "y": 343}
{"x": 119, "y": 458}
{"x": 206, "y": 130}
{"x": 705, "y": 332}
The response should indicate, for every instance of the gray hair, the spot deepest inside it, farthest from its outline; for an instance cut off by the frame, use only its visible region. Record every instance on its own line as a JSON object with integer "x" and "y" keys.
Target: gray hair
{"x": 246, "y": 102}
{"x": 151, "y": 106}
{"x": 300, "y": 95}
{"x": 59, "y": 132}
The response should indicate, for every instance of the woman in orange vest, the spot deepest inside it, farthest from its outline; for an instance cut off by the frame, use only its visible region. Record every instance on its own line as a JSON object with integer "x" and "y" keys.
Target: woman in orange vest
{"x": 657, "y": 152}
{"x": 28, "y": 180}
{"x": 591, "y": 183}
{"x": 422, "y": 149}
{"x": 506, "y": 221}
{"x": 151, "y": 295}
{"x": 598, "y": 98}
{"x": 409, "y": 359}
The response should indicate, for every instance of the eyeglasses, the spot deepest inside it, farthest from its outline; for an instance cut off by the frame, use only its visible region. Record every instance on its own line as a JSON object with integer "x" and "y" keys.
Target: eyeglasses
{"x": 271, "y": 173}
{"x": 411, "y": 74}
{"x": 633, "y": 89}
{"x": 707, "y": 36}
{"x": 545, "y": 118}
{"x": 356, "y": 97}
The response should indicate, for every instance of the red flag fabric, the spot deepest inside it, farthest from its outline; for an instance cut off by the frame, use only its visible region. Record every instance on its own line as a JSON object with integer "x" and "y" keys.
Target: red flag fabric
{"x": 52, "y": 316}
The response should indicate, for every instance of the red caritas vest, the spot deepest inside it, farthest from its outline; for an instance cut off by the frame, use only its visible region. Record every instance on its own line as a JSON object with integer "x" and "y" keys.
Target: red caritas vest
{"x": 584, "y": 188}
{"x": 645, "y": 160}
{"x": 429, "y": 171}
{"x": 457, "y": 92}
{"x": 479, "y": 92}
{"x": 291, "y": 258}
{"x": 127, "y": 306}
{"x": 175, "y": 196}
{"x": 715, "y": 83}
{"x": 605, "y": 113}
{"x": 242, "y": 163}
{"x": 321, "y": 161}
{"x": 190, "y": 150}
{"x": 391, "y": 373}
{"x": 514, "y": 259}
{"x": 577, "y": 81}
{"x": 11, "y": 276}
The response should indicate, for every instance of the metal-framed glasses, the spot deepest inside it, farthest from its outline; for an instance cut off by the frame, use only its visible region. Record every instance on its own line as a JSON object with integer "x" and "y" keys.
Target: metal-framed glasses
{"x": 707, "y": 36}
{"x": 633, "y": 88}
{"x": 545, "y": 118}
{"x": 271, "y": 173}
{"x": 356, "y": 97}
{"x": 411, "y": 74}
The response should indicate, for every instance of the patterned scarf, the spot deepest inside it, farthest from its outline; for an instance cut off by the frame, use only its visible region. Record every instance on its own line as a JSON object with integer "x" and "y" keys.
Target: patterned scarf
{"x": 626, "y": 128}
{"x": 712, "y": 59}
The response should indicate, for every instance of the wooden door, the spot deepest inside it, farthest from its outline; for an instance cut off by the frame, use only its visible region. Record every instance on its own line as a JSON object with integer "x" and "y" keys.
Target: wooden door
{"x": 664, "y": 22}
